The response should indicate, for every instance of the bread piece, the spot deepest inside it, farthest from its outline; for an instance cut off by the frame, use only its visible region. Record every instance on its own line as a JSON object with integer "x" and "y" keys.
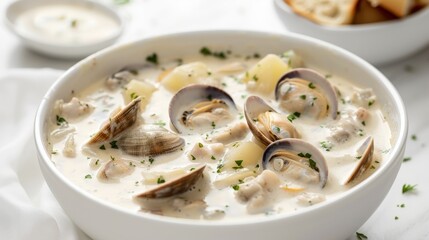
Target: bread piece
{"x": 326, "y": 12}
{"x": 365, "y": 13}
{"x": 400, "y": 8}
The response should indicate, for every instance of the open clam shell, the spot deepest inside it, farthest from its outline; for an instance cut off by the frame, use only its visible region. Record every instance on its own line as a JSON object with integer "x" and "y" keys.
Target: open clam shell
{"x": 365, "y": 153}
{"x": 305, "y": 160}
{"x": 118, "y": 123}
{"x": 150, "y": 140}
{"x": 200, "y": 108}
{"x": 307, "y": 92}
{"x": 265, "y": 123}
{"x": 174, "y": 187}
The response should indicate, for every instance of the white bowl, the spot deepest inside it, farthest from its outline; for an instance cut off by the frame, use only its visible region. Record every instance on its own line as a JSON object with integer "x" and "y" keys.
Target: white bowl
{"x": 378, "y": 43}
{"x": 57, "y": 49}
{"x": 335, "y": 219}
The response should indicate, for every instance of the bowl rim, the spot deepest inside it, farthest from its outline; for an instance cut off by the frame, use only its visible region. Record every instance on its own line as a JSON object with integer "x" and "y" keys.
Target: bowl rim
{"x": 394, "y": 154}
{"x": 103, "y": 8}
{"x": 414, "y": 17}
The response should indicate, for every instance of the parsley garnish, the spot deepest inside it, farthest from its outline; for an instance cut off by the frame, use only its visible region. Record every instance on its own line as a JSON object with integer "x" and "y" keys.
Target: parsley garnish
{"x": 327, "y": 145}
{"x": 408, "y": 188}
{"x": 235, "y": 187}
{"x": 133, "y": 95}
{"x": 361, "y": 236}
{"x": 160, "y": 123}
{"x": 363, "y": 123}
{"x": 114, "y": 145}
{"x": 193, "y": 157}
{"x": 311, "y": 85}
{"x": 255, "y": 78}
{"x": 370, "y": 102}
{"x": 102, "y": 147}
{"x": 303, "y": 97}
{"x": 293, "y": 116}
{"x": 277, "y": 129}
{"x": 151, "y": 160}
{"x": 213, "y": 157}
{"x": 407, "y": 159}
{"x": 160, "y": 180}
{"x": 413, "y": 137}
{"x": 152, "y": 58}
{"x": 313, "y": 165}
{"x": 239, "y": 166}
{"x": 219, "y": 167}
{"x": 205, "y": 51}
{"x": 61, "y": 121}
{"x": 200, "y": 145}
{"x": 213, "y": 125}
{"x": 88, "y": 176}
{"x": 304, "y": 155}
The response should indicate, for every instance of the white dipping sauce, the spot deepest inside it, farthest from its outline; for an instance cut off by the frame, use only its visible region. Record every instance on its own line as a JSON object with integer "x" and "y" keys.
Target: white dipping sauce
{"x": 66, "y": 24}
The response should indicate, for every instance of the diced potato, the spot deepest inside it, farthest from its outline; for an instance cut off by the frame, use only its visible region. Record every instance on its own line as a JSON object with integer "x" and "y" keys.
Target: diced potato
{"x": 136, "y": 89}
{"x": 249, "y": 152}
{"x": 227, "y": 179}
{"x": 264, "y": 75}
{"x": 153, "y": 177}
{"x": 184, "y": 75}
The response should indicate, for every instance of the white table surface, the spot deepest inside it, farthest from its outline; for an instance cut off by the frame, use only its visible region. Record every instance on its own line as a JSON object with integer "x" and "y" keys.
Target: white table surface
{"x": 145, "y": 18}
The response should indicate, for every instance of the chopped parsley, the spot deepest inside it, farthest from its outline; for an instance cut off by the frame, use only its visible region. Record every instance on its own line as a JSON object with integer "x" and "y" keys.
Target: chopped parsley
{"x": 151, "y": 160}
{"x": 160, "y": 123}
{"x": 361, "y": 236}
{"x": 304, "y": 155}
{"x": 408, "y": 188}
{"x": 192, "y": 169}
{"x": 200, "y": 145}
{"x": 311, "y": 85}
{"x": 73, "y": 23}
{"x": 160, "y": 180}
{"x": 239, "y": 166}
{"x": 213, "y": 157}
{"x": 88, "y": 176}
{"x": 293, "y": 116}
{"x": 193, "y": 157}
{"x": 370, "y": 102}
{"x": 396, "y": 217}
{"x": 407, "y": 159}
{"x": 113, "y": 144}
{"x": 235, "y": 187}
{"x": 363, "y": 123}
{"x": 219, "y": 168}
{"x": 313, "y": 165}
{"x": 102, "y": 147}
{"x": 255, "y": 78}
{"x": 205, "y": 51}
{"x": 277, "y": 129}
{"x": 213, "y": 125}
{"x": 133, "y": 95}
{"x": 414, "y": 137}
{"x": 327, "y": 145}
{"x": 303, "y": 97}
{"x": 153, "y": 58}
{"x": 61, "y": 121}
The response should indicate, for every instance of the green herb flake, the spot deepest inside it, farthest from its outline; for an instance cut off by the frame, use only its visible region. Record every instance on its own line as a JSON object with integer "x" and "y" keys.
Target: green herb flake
{"x": 235, "y": 187}
{"x": 133, "y": 95}
{"x": 408, "y": 188}
{"x": 304, "y": 155}
{"x": 73, "y": 23}
{"x": 97, "y": 162}
{"x": 113, "y": 144}
{"x": 205, "y": 51}
{"x": 102, "y": 147}
{"x": 88, "y": 176}
{"x": 277, "y": 129}
{"x": 160, "y": 123}
{"x": 153, "y": 58}
{"x": 396, "y": 217}
{"x": 313, "y": 165}
{"x": 293, "y": 116}
{"x": 255, "y": 78}
{"x": 303, "y": 97}
{"x": 151, "y": 160}
{"x": 407, "y": 159}
{"x": 311, "y": 85}
{"x": 327, "y": 145}
{"x": 413, "y": 137}
{"x": 358, "y": 157}
{"x": 160, "y": 180}
{"x": 213, "y": 157}
{"x": 213, "y": 125}
{"x": 192, "y": 169}
{"x": 370, "y": 102}
{"x": 61, "y": 121}
{"x": 200, "y": 145}
{"x": 238, "y": 163}
{"x": 193, "y": 157}
{"x": 363, "y": 123}
{"x": 219, "y": 168}
{"x": 361, "y": 236}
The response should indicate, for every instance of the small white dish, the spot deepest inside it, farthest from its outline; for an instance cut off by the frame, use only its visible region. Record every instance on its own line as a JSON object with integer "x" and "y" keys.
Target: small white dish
{"x": 64, "y": 28}
{"x": 378, "y": 43}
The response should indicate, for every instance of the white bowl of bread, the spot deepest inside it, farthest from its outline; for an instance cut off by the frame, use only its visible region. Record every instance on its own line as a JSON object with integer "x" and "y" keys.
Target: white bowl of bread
{"x": 380, "y": 31}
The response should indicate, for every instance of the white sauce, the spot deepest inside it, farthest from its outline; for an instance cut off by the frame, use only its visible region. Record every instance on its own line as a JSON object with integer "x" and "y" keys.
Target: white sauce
{"x": 66, "y": 24}
{"x": 340, "y": 159}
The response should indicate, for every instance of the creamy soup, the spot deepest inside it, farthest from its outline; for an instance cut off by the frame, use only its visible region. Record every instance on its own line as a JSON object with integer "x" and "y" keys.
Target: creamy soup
{"x": 66, "y": 24}
{"x": 219, "y": 136}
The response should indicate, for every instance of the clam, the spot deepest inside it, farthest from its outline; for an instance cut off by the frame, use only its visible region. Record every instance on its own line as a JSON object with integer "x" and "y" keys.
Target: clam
{"x": 174, "y": 187}
{"x": 115, "y": 169}
{"x": 265, "y": 123}
{"x": 364, "y": 153}
{"x": 120, "y": 122}
{"x": 150, "y": 140}
{"x": 200, "y": 108}
{"x": 306, "y": 92}
{"x": 295, "y": 160}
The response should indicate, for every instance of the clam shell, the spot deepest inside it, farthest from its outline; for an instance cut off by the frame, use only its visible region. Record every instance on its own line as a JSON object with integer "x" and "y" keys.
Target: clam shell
{"x": 255, "y": 106}
{"x": 293, "y": 147}
{"x": 120, "y": 122}
{"x": 187, "y": 97}
{"x": 150, "y": 140}
{"x": 366, "y": 151}
{"x": 315, "y": 78}
{"x": 174, "y": 187}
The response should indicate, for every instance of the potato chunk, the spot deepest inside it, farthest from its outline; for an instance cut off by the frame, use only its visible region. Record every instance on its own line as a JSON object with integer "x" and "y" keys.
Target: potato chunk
{"x": 184, "y": 75}
{"x": 264, "y": 75}
{"x": 136, "y": 89}
{"x": 249, "y": 153}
